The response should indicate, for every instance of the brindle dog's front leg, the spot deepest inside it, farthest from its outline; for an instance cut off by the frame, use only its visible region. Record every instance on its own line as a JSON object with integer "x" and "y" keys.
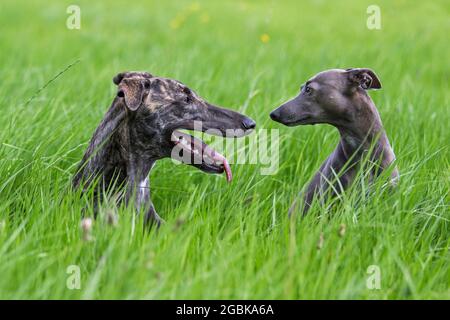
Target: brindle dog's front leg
{"x": 140, "y": 193}
{"x": 152, "y": 218}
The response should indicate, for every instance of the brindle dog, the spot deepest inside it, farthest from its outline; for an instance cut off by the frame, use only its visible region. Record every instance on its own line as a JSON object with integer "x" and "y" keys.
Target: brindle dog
{"x": 338, "y": 97}
{"x": 141, "y": 127}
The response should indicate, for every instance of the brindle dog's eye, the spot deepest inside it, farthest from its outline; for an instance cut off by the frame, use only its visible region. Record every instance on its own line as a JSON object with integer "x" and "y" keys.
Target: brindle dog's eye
{"x": 188, "y": 97}
{"x": 147, "y": 84}
{"x": 187, "y": 91}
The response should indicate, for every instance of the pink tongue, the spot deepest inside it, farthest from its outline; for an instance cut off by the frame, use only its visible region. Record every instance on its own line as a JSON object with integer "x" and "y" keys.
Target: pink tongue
{"x": 227, "y": 168}
{"x": 218, "y": 157}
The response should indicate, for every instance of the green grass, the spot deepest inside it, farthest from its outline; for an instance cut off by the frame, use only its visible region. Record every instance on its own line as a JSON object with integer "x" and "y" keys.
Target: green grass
{"x": 223, "y": 241}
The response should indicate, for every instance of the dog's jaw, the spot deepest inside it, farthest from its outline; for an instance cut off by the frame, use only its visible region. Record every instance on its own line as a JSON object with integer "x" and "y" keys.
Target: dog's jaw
{"x": 200, "y": 154}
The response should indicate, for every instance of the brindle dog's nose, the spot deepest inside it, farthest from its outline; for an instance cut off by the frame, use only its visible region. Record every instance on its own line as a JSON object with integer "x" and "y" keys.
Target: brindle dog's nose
{"x": 248, "y": 123}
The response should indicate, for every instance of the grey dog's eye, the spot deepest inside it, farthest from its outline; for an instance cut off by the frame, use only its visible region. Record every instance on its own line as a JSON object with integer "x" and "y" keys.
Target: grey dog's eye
{"x": 308, "y": 90}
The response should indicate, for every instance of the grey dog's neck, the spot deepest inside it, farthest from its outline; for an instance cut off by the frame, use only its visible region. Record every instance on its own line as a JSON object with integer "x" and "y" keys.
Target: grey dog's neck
{"x": 363, "y": 133}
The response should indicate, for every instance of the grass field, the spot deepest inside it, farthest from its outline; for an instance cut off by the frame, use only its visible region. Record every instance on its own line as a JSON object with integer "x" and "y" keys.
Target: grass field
{"x": 223, "y": 241}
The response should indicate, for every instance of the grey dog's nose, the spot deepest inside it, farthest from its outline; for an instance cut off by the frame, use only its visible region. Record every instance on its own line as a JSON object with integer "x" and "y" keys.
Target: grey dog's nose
{"x": 248, "y": 123}
{"x": 274, "y": 115}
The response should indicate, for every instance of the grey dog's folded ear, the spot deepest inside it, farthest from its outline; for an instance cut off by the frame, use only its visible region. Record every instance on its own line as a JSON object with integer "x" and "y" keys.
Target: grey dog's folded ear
{"x": 363, "y": 77}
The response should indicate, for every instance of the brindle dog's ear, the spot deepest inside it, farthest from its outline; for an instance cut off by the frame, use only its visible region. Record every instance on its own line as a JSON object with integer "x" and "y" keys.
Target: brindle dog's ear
{"x": 133, "y": 92}
{"x": 363, "y": 77}
{"x": 118, "y": 78}
{"x": 129, "y": 74}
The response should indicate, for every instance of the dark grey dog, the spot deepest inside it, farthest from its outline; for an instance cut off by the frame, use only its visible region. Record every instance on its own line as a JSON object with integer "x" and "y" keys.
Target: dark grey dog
{"x": 338, "y": 97}
{"x": 141, "y": 127}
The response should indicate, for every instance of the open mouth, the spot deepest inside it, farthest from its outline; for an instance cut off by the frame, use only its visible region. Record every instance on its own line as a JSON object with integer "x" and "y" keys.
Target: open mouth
{"x": 193, "y": 151}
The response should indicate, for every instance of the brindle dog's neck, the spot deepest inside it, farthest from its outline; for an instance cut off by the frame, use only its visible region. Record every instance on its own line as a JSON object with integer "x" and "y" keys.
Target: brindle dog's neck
{"x": 116, "y": 153}
{"x": 365, "y": 133}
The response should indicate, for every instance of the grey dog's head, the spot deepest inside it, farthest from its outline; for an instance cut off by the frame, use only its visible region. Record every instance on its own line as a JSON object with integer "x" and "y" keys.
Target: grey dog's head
{"x": 329, "y": 97}
{"x": 159, "y": 107}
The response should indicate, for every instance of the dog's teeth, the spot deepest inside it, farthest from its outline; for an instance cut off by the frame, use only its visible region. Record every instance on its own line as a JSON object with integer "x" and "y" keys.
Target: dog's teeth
{"x": 195, "y": 151}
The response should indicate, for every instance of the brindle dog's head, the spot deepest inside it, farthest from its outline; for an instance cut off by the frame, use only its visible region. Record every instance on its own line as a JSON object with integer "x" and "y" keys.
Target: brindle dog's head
{"x": 329, "y": 97}
{"x": 159, "y": 107}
